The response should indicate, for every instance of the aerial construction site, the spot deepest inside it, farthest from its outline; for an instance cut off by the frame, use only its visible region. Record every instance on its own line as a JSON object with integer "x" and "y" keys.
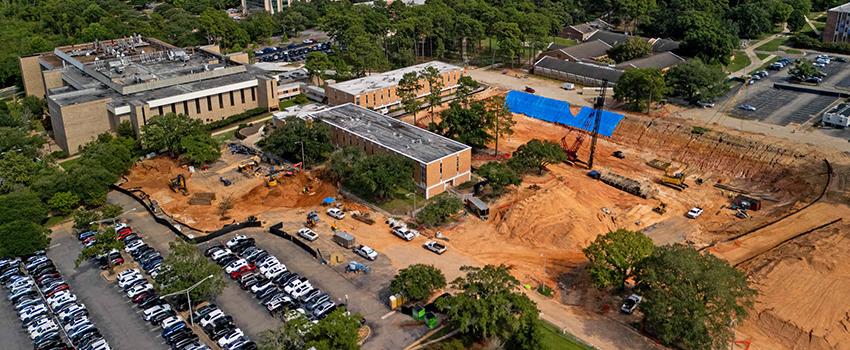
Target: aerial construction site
{"x": 771, "y": 207}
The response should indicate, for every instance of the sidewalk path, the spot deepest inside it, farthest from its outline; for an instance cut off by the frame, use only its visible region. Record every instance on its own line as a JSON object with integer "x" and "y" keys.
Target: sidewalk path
{"x": 812, "y": 25}
{"x": 755, "y": 61}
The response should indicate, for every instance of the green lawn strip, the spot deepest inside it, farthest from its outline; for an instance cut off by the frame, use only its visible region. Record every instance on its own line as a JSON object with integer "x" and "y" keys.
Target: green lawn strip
{"x": 225, "y": 136}
{"x": 793, "y": 52}
{"x": 563, "y": 41}
{"x": 553, "y": 339}
{"x": 54, "y": 220}
{"x": 772, "y": 45}
{"x": 762, "y": 55}
{"x": 738, "y": 62}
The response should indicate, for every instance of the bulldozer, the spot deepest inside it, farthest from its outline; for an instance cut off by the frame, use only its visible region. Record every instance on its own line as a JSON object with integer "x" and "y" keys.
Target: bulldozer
{"x": 675, "y": 179}
{"x": 271, "y": 181}
{"x": 178, "y": 184}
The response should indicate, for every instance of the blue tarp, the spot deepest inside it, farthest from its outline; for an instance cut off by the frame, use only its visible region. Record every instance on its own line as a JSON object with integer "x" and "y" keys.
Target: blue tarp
{"x": 557, "y": 111}
{"x": 329, "y": 200}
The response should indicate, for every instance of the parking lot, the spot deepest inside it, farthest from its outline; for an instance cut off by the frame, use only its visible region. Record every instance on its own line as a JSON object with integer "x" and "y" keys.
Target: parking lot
{"x": 14, "y": 337}
{"x": 359, "y": 292}
{"x": 114, "y": 314}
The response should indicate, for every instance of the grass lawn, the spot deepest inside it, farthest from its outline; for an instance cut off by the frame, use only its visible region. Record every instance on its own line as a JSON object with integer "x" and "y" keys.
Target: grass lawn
{"x": 762, "y": 55}
{"x": 54, "y": 220}
{"x": 772, "y": 45}
{"x": 67, "y": 163}
{"x": 793, "y": 51}
{"x": 820, "y": 25}
{"x": 739, "y": 62}
{"x": 402, "y": 204}
{"x": 767, "y": 63}
{"x": 553, "y": 339}
{"x": 563, "y": 41}
{"x": 225, "y": 136}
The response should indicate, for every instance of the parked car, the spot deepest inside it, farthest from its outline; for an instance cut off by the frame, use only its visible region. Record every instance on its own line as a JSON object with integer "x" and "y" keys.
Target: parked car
{"x": 336, "y": 213}
{"x": 747, "y": 107}
{"x": 435, "y": 247}
{"x": 308, "y": 234}
{"x": 366, "y": 252}
{"x": 404, "y": 233}
{"x": 530, "y": 90}
{"x": 694, "y": 213}
{"x": 631, "y": 303}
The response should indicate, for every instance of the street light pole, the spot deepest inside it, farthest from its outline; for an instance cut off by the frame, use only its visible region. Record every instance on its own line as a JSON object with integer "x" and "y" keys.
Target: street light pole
{"x": 188, "y": 298}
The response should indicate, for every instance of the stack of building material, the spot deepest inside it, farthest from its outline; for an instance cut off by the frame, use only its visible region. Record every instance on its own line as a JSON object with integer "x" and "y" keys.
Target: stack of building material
{"x": 643, "y": 190}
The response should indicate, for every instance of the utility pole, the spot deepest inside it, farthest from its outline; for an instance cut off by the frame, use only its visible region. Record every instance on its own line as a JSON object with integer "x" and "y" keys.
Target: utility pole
{"x": 599, "y": 105}
{"x": 189, "y": 298}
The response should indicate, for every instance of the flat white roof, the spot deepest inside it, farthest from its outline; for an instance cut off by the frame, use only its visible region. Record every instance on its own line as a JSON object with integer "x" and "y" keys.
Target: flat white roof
{"x": 387, "y": 79}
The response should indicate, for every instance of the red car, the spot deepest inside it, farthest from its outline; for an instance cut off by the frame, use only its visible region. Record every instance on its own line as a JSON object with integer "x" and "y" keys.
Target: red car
{"x": 242, "y": 270}
{"x": 124, "y": 232}
{"x": 58, "y": 288}
{"x": 529, "y": 89}
{"x": 142, "y": 296}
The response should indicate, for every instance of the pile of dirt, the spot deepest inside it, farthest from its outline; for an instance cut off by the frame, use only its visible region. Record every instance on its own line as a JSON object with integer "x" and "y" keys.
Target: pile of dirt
{"x": 802, "y": 301}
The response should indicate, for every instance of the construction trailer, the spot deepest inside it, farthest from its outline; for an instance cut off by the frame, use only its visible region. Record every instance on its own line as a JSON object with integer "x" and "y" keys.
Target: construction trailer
{"x": 344, "y": 239}
{"x": 746, "y": 202}
{"x": 478, "y": 207}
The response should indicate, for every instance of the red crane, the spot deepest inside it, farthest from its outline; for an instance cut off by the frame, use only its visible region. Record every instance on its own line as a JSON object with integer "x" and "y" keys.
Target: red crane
{"x": 590, "y": 125}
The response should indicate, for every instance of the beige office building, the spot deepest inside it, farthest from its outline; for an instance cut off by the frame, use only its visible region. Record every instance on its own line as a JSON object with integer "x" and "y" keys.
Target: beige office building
{"x": 378, "y": 91}
{"x": 91, "y": 88}
{"x": 439, "y": 163}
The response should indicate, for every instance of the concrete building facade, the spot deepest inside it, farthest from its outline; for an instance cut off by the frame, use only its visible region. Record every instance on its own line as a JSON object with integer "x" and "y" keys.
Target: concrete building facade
{"x": 439, "y": 163}
{"x": 837, "y": 28}
{"x": 91, "y": 88}
{"x": 270, "y": 6}
{"x": 379, "y": 91}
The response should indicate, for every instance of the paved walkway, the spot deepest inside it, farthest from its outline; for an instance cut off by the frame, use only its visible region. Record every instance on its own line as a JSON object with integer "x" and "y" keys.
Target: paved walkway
{"x": 812, "y": 25}
{"x": 755, "y": 61}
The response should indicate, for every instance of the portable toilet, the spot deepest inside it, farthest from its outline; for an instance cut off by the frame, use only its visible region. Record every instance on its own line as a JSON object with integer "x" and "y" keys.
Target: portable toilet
{"x": 418, "y": 312}
{"x": 431, "y": 320}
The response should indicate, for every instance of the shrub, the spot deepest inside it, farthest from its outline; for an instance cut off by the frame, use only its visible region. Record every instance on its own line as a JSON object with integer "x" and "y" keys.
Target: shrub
{"x": 440, "y": 210}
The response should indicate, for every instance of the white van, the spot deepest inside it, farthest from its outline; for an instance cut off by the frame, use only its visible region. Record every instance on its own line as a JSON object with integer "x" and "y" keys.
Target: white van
{"x": 568, "y": 86}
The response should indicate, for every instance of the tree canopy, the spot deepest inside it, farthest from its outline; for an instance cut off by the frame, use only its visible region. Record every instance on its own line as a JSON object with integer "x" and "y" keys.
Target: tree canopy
{"x": 489, "y": 305}
{"x": 630, "y": 49}
{"x": 337, "y": 331}
{"x": 802, "y": 69}
{"x": 187, "y": 267}
{"x": 696, "y": 81}
{"x": 499, "y": 175}
{"x": 614, "y": 256}
{"x": 287, "y": 139}
{"x": 22, "y": 237}
{"x": 691, "y": 300}
{"x": 165, "y": 132}
{"x": 640, "y": 86}
{"x": 535, "y": 155}
{"x": 380, "y": 176}
{"x": 439, "y": 210}
{"x": 417, "y": 282}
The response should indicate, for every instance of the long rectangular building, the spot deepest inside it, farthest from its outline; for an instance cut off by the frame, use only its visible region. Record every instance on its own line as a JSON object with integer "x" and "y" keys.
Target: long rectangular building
{"x": 91, "y": 88}
{"x": 439, "y": 162}
{"x": 378, "y": 91}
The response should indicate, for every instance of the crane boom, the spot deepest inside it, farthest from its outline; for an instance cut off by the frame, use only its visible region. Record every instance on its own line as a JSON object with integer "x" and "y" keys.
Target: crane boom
{"x": 598, "y": 108}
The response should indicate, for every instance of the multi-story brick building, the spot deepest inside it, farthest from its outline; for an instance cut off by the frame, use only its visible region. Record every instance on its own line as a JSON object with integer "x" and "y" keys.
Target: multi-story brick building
{"x": 378, "y": 91}
{"x": 91, "y": 88}
{"x": 439, "y": 163}
{"x": 837, "y": 29}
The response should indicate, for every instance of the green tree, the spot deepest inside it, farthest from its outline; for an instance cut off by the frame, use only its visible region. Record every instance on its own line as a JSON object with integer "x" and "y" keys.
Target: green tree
{"x": 417, "y": 282}
{"x": 20, "y": 140}
{"x": 63, "y": 202}
{"x": 110, "y": 211}
{"x": 802, "y": 70}
{"x": 114, "y": 154}
{"x": 434, "y": 80}
{"x": 691, "y": 300}
{"x": 125, "y": 129}
{"x": 439, "y": 210}
{"x": 499, "y": 176}
{"x": 465, "y": 125}
{"x": 381, "y": 176}
{"x": 509, "y": 37}
{"x": 16, "y": 169}
{"x": 289, "y": 336}
{"x": 752, "y": 19}
{"x": 633, "y": 47}
{"x": 199, "y": 149}
{"x": 22, "y": 237}
{"x": 286, "y": 141}
{"x": 640, "y": 86}
{"x": 797, "y": 20}
{"x": 337, "y": 331}
{"x": 341, "y": 164}
{"x": 22, "y": 205}
{"x": 318, "y": 63}
{"x": 502, "y": 119}
{"x": 408, "y": 91}
{"x": 89, "y": 181}
{"x": 465, "y": 86}
{"x": 489, "y": 305}
{"x": 695, "y": 81}
{"x": 166, "y": 131}
{"x": 614, "y": 256}
{"x": 632, "y": 12}
{"x": 707, "y": 38}
{"x": 184, "y": 267}
{"x": 107, "y": 241}
{"x": 536, "y": 154}
{"x": 84, "y": 217}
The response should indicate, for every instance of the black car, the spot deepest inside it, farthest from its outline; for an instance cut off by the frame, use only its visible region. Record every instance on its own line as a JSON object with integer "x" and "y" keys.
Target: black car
{"x": 283, "y": 276}
{"x": 180, "y": 335}
{"x": 209, "y": 251}
{"x": 266, "y": 292}
{"x": 204, "y": 310}
{"x": 150, "y": 301}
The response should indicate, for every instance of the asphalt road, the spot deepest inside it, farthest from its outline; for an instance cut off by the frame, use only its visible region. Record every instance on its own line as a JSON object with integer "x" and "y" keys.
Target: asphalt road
{"x": 13, "y": 336}
{"x": 113, "y": 314}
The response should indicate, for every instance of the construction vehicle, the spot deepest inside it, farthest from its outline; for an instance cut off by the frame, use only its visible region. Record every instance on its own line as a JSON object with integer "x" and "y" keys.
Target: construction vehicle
{"x": 312, "y": 219}
{"x": 271, "y": 181}
{"x": 661, "y": 208}
{"x": 357, "y": 267}
{"x": 675, "y": 179}
{"x": 178, "y": 184}
{"x": 249, "y": 165}
{"x": 224, "y": 181}
{"x": 591, "y": 126}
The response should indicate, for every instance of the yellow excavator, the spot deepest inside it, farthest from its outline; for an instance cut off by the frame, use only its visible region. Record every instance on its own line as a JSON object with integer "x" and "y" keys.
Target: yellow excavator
{"x": 178, "y": 184}
{"x": 675, "y": 179}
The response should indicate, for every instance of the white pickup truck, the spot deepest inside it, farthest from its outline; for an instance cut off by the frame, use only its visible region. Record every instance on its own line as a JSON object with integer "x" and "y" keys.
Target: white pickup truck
{"x": 435, "y": 247}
